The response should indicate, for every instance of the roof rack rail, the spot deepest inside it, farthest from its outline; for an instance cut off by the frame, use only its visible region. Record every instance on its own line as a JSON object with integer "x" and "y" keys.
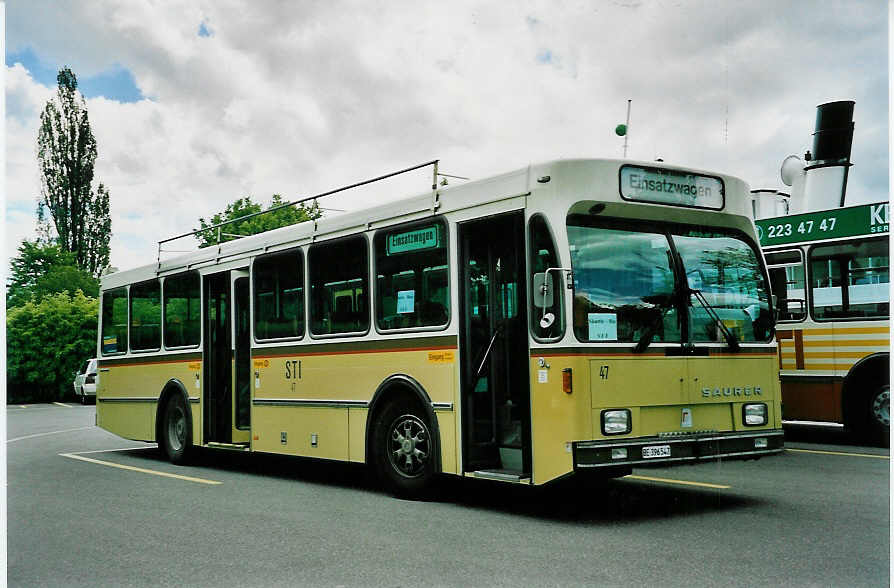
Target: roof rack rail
{"x": 434, "y": 186}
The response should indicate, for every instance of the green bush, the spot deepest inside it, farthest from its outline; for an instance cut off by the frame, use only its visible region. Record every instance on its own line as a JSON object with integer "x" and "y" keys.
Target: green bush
{"x": 46, "y": 343}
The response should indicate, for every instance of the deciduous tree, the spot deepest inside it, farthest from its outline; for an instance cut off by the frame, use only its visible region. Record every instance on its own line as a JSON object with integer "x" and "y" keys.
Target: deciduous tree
{"x": 288, "y": 215}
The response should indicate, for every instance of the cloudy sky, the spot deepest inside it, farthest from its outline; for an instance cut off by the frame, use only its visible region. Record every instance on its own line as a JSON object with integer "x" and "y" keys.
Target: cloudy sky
{"x": 197, "y": 103}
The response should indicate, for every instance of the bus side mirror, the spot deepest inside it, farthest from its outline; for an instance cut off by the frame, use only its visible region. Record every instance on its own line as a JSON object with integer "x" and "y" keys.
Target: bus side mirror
{"x": 543, "y": 290}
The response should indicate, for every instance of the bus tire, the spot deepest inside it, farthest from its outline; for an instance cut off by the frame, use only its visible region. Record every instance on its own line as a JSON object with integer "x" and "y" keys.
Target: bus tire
{"x": 176, "y": 430}
{"x": 880, "y": 414}
{"x": 402, "y": 443}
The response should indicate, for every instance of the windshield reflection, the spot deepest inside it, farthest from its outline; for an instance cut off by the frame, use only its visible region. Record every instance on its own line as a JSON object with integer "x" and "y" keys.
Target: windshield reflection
{"x": 624, "y": 286}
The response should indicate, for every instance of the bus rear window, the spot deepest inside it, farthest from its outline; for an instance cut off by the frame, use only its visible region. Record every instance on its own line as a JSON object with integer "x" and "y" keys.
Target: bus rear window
{"x": 114, "y": 321}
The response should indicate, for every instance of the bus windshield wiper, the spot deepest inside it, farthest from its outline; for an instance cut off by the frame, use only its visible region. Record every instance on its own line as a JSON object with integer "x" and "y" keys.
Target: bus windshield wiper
{"x": 646, "y": 339}
{"x": 730, "y": 337}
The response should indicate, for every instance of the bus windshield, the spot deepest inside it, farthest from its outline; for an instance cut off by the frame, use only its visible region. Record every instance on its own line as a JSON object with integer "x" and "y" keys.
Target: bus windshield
{"x": 626, "y": 288}
{"x": 727, "y": 273}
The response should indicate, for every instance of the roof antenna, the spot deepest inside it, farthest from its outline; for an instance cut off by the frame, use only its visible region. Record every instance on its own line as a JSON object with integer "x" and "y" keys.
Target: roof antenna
{"x": 621, "y": 130}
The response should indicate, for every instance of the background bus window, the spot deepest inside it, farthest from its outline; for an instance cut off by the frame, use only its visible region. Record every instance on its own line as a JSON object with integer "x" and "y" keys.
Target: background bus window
{"x": 411, "y": 277}
{"x": 623, "y": 285}
{"x": 339, "y": 273}
{"x": 114, "y": 321}
{"x": 145, "y": 316}
{"x": 786, "y": 270}
{"x": 543, "y": 257}
{"x": 850, "y": 280}
{"x": 279, "y": 296}
{"x": 182, "y": 308}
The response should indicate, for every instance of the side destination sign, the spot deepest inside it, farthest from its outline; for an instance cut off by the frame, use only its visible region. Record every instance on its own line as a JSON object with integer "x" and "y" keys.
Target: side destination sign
{"x": 868, "y": 219}
{"x": 664, "y": 186}
{"x": 426, "y": 238}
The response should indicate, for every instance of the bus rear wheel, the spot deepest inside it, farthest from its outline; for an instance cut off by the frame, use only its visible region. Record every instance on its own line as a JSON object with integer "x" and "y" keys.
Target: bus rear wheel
{"x": 402, "y": 449}
{"x": 880, "y": 414}
{"x": 176, "y": 430}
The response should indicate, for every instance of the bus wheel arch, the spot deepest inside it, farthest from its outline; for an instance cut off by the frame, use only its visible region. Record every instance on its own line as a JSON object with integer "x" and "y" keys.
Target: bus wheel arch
{"x": 865, "y": 398}
{"x": 173, "y": 422}
{"x": 400, "y": 401}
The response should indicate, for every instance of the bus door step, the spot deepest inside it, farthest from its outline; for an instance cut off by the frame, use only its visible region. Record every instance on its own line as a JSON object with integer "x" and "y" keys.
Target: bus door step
{"x": 503, "y": 476}
{"x": 228, "y": 446}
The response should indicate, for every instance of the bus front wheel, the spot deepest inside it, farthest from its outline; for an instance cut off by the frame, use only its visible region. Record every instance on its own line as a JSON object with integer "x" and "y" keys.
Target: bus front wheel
{"x": 176, "y": 430}
{"x": 402, "y": 449}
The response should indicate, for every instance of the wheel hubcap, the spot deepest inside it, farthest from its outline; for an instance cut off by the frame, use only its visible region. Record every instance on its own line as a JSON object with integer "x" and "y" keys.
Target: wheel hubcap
{"x": 176, "y": 428}
{"x": 409, "y": 446}
{"x": 881, "y": 406}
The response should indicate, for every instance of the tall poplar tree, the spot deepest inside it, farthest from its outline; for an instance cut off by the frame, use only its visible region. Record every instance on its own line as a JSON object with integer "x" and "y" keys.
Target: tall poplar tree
{"x": 66, "y": 152}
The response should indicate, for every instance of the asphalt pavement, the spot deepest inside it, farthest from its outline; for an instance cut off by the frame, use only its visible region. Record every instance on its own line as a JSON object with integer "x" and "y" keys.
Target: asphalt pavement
{"x": 88, "y": 508}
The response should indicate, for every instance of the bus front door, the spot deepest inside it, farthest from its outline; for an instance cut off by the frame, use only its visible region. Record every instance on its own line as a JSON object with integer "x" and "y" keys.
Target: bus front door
{"x": 493, "y": 337}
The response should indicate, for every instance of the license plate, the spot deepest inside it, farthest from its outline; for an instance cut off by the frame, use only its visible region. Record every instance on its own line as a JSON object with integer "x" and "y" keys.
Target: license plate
{"x": 656, "y": 451}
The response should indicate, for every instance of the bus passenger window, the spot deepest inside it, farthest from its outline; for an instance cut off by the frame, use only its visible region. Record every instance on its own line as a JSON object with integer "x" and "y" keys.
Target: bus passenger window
{"x": 182, "y": 308}
{"x": 279, "y": 296}
{"x": 145, "y": 316}
{"x": 787, "y": 282}
{"x": 543, "y": 257}
{"x": 850, "y": 280}
{"x": 114, "y": 321}
{"x": 338, "y": 277}
{"x": 411, "y": 276}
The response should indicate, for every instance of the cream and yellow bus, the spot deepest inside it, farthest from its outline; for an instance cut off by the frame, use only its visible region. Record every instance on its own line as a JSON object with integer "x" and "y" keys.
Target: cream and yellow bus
{"x": 571, "y": 316}
{"x": 830, "y": 275}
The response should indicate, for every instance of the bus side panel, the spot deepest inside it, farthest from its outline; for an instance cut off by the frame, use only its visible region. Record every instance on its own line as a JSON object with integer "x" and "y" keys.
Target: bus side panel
{"x": 143, "y": 383}
{"x": 815, "y": 358}
{"x": 349, "y": 376}
{"x": 812, "y": 399}
{"x": 447, "y": 428}
{"x": 131, "y": 420}
{"x": 357, "y": 434}
{"x": 557, "y": 418}
{"x": 302, "y": 430}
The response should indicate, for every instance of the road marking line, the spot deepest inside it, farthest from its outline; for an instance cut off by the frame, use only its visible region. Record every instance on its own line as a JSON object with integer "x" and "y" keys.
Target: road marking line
{"x": 109, "y": 450}
{"x": 141, "y": 470}
{"x": 60, "y": 404}
{"x": 681, "y": 482}
{"x": 851, "y": 454}
{"x": 48, "y": 433}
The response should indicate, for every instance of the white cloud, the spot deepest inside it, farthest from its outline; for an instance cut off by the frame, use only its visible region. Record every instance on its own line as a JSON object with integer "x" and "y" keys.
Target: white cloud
{"x": 298, "y": 98}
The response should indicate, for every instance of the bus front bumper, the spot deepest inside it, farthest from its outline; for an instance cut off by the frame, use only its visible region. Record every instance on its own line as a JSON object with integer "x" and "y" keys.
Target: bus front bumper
{"x": 674, "y": 449}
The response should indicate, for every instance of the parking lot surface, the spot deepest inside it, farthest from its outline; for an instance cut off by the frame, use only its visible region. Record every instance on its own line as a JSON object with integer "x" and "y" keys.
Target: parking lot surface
{"x": 88, "y": 508}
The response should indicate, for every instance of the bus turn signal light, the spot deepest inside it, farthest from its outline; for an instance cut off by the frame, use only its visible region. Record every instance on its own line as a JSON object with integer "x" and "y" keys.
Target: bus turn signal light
{"x": 566, "y": 380}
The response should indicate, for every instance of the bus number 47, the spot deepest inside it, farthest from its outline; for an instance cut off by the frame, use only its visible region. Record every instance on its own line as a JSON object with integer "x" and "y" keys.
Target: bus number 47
{"x": 603, "y": 372}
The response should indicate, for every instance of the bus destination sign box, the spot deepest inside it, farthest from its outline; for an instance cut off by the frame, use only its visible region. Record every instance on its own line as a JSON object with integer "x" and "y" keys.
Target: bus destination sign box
{"x": 664, "y": 186}
{"x": 853, "y": 221}
{"x": 427, "y": 238}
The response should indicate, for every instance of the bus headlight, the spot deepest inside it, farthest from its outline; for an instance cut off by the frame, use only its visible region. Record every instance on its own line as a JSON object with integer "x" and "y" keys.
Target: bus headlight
{"x": 754, "y": 414}
{"x": 615, "y": 422}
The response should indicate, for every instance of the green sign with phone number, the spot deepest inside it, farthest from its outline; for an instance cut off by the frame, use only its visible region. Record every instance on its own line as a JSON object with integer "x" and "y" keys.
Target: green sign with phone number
{"x": 868, "y": 219}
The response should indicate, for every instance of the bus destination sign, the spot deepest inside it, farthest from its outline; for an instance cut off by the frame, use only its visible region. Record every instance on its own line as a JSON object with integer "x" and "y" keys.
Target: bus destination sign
{"x": 426, "y": 238}
{"x": 868, "y": 219}
{"x": 664, "y": 186}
